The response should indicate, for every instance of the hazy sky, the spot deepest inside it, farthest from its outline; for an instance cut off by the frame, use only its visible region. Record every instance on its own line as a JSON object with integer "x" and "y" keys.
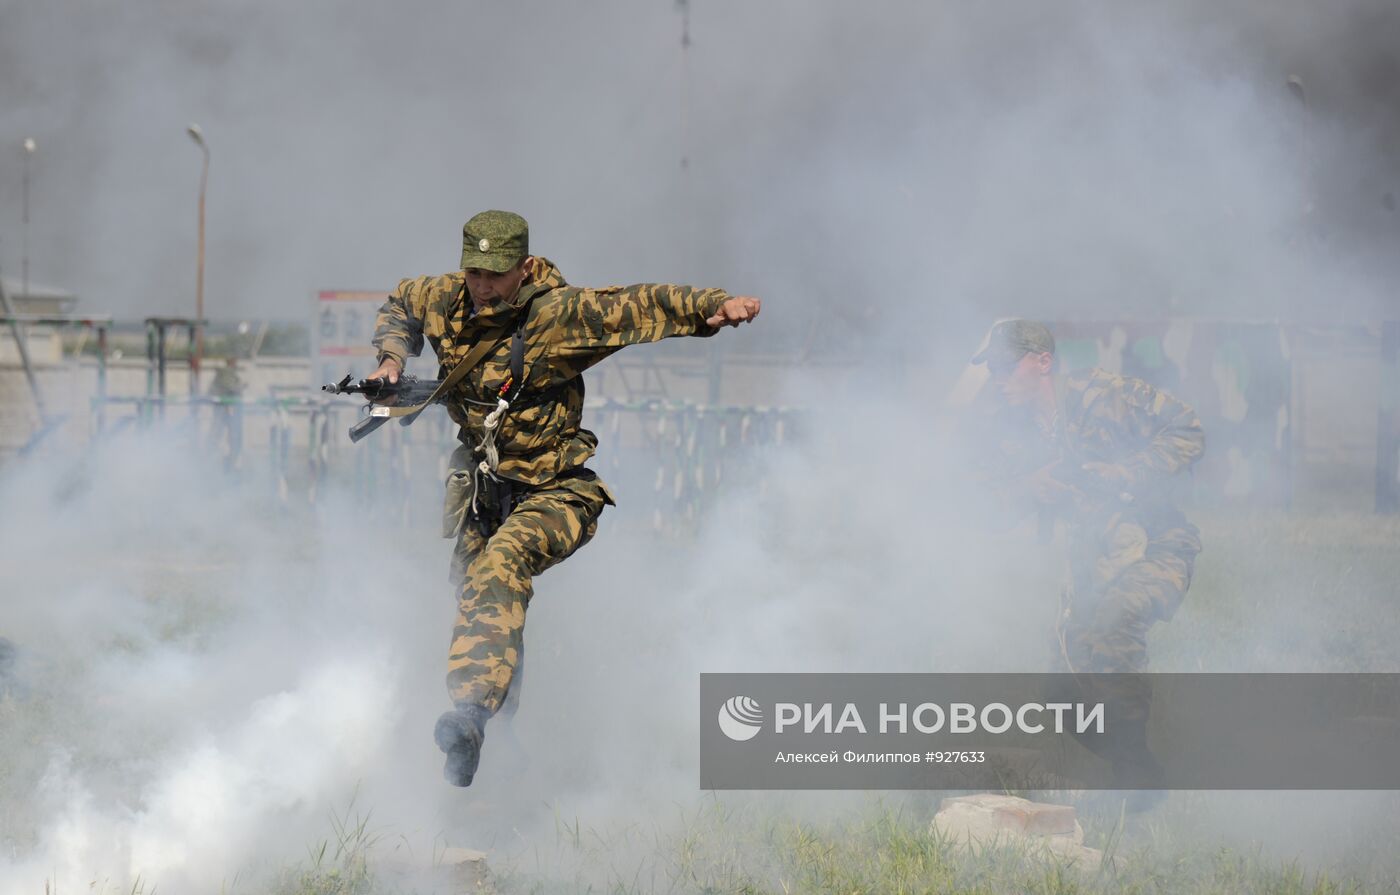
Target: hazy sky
{"x": 1069, "y": 159}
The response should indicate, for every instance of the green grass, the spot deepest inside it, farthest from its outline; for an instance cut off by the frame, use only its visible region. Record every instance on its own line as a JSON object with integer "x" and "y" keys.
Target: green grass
{"x": 338, "y": 864}
{"x": 1272, "y": 593}
{"x": 888, "y": 848}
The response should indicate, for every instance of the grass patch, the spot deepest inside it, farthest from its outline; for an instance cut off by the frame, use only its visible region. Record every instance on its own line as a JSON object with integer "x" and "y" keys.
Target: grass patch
{"x": 1272, "y": 592}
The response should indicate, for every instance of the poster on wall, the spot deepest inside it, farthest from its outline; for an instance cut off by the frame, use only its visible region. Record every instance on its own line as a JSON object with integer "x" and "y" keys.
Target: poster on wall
{"x": 341, "y": 327}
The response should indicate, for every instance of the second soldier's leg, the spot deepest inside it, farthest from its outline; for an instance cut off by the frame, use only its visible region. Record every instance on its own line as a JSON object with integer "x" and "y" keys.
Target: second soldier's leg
{"x": 1109, "y": 636}
{"x": 1114, "y": 641}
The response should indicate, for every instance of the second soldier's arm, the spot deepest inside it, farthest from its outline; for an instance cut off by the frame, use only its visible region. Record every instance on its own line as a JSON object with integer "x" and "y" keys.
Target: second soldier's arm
{"x": 1170, "y": 432}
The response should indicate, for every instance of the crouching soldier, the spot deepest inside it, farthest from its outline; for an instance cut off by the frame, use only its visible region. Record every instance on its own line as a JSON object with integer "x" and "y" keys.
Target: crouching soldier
{"x": 1097, "y": 451}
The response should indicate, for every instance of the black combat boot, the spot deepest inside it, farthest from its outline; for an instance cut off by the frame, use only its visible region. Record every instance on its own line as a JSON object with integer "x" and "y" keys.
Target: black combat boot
{"x": 1136, "y": 775}
{"x": 459, "y": 734}
{"x": 1135, "y": 768}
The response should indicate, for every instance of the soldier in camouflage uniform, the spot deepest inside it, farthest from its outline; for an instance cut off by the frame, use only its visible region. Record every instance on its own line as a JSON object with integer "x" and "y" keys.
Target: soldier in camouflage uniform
{"x": 7, "y": 664}
{"x": 227, "y": 436}
{"x": 1097, "y": 451}
{"x": 519, "y": 496}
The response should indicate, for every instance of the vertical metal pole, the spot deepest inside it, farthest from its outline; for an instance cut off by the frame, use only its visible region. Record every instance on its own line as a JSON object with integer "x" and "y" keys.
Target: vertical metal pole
{"x": 101, "y": 377}
{"x": 715, "y": 348}
{"x": 29, "y": 147}
{"x": 1295, "y": 446}
{"x": 198, "y": 136}
{"x": 198, "y": 357}
{"x": 685, "y": 83}
{"x": 195, "y": 331}
{"x": 150, "y": 357}
{"x": 1388, "y": 422}
{"x": 160, "y": 364}
{"x": 22, "y": 345}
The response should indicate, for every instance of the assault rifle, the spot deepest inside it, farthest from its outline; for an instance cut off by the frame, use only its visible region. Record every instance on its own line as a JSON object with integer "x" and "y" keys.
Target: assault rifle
{"x": 381, "y": 393}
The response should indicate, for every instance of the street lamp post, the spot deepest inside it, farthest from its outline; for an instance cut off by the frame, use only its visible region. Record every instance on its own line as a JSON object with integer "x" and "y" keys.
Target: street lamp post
{"x": 29, "y": 147}
{"x": 198, "y": 136}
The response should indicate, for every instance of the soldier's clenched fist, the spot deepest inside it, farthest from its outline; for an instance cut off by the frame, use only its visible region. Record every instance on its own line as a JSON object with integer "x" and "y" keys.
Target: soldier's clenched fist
{"x": 737, "y": 310}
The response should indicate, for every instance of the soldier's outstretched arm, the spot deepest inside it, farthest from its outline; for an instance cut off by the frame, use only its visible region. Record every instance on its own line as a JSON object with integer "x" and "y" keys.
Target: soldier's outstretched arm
{"x": 604, "y": 320}
{"x": 398, "y": 331}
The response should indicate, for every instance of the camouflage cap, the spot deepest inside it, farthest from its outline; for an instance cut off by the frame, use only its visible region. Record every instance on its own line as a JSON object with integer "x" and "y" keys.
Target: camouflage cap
{"x": 1012, "y": 340}
{"x": 495, "y": 240}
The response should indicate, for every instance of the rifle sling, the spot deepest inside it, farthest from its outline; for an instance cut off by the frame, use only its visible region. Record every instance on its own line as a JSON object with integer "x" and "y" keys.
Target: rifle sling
{"x": 485, "y": 345}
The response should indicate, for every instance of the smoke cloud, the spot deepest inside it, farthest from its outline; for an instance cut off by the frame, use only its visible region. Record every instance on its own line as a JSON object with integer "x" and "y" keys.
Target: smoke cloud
{"x": 205, "y": 676}
{"x": 1086, "y": 156}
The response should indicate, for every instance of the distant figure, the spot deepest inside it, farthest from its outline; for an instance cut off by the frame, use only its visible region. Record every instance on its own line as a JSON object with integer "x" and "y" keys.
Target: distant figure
{"x": 1096, "y": 451}
{"x": 7, "y": 666}
{"x": 227, "y": 388}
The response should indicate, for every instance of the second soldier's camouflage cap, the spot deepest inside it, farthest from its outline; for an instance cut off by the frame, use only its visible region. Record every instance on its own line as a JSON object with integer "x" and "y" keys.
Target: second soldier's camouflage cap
{"x": 1012, "y": 340}
{"x": 495, "y": 240}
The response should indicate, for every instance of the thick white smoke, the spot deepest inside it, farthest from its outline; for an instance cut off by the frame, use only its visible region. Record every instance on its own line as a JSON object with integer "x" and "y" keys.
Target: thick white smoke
{"x": 203, "y": 678}
{"x": 206, "y": 676}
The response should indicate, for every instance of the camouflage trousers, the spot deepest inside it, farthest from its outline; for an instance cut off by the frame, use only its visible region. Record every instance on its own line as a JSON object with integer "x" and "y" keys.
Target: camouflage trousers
{"x": 1129, "y": 582}
{"x": 495, "y": 576}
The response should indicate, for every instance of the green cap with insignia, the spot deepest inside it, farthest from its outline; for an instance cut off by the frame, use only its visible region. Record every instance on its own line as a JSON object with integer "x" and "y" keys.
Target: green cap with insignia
{"x": 1012, "y": 340}
{"x": 495, "y": 240}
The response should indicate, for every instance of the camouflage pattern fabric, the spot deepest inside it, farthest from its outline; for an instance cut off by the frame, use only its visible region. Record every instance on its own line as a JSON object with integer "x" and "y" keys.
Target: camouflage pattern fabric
{"x": 495, "y": 240}
{"x": 1131, "y": 562}
{"x": 542, "y": 443}
{"x": 1105, "y": 630}
{"x": 1131, "y": 551}
{"x": 495, "y": 575}
{"x": 227, "y": 383}
{"x": 568, "y": 330}
{"x": 1117, "y": 419}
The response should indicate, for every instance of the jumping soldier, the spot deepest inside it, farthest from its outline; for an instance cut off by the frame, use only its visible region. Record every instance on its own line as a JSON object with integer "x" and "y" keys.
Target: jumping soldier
{"x": 513, "y": 340}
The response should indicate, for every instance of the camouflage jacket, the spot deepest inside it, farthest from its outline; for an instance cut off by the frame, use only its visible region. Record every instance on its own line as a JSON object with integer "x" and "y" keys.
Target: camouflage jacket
{"x": 567, "y": 329}
{"x": 227, "y": 384}
{"x": 1103, "y": 418}
{"x": 1108, "y": 418}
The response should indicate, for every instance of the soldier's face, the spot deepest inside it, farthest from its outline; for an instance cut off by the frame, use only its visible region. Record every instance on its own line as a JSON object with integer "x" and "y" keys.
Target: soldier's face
{"x": 487, "y": 287}
{"x": 1020, "y": 382}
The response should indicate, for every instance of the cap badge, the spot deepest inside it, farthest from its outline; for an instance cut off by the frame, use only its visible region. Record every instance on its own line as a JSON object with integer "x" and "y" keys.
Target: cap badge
{"x": 484, "y": 245}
